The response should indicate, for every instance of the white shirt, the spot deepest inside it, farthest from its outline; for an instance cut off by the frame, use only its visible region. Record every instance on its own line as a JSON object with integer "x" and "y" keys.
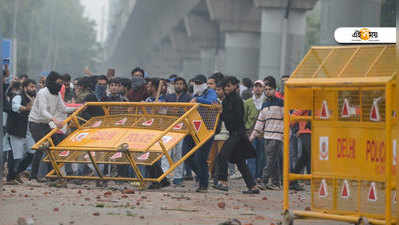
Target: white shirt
{"x": 47, "y": 106}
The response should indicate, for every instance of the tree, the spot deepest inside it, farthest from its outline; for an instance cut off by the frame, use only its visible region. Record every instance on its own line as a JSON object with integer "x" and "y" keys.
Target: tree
{"x": 51, "y": 35}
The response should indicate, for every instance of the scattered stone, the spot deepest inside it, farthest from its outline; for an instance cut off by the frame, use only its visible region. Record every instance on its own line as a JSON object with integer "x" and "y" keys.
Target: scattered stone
{"x": 231, "y": 222}
{"x": 260, "y": 218}
{"x": 221, "y": 205}
{"x": 128, "y": 191}
{"x": 100, "y": 205}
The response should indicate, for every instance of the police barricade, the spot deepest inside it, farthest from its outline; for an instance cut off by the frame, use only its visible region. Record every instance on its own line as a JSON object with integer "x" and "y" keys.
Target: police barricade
{"x": 130, "y": 134}
{"x": 352, "y": 94}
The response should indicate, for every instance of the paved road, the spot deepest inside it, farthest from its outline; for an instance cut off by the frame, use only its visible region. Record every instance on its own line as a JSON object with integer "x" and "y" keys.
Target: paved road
{"x": 87, "y": 205}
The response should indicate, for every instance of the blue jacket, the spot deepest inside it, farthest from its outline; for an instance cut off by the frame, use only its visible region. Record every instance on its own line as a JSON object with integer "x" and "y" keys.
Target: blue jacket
{"x": 208, "y": 97}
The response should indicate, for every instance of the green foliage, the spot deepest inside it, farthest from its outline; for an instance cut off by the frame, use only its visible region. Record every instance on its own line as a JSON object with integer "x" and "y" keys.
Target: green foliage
{"x": 51, "y": 35}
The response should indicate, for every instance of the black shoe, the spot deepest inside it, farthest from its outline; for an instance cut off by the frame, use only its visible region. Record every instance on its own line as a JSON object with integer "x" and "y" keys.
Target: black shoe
{"x": 101, "y": 184}
{"x": 165, "y": 183}
{"x": 154, "y": 186}
{"x": 221, "y": 187}
{"x": 188, "y": 178}
{"x": 251, "y": 191}
{"x": 202, "y": 190}
{"x": 296, "y": 187}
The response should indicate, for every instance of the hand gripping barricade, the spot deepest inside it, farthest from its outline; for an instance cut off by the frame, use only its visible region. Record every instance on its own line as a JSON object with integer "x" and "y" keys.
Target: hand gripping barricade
{"x": 353, "y": 94}
{"x": 129, "y": 134}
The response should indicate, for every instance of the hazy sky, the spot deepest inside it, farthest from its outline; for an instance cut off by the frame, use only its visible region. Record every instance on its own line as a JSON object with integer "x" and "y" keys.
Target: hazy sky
{"x": 94, "y": 9}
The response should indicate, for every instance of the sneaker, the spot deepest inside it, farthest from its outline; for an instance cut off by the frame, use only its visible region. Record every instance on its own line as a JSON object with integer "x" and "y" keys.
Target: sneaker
{"x": 235, "y": 176}
{"x": 12, "y": 182}
{"x": 41, "y": 180}
{"x": 202, "y": 190}
{"x": 251, "y": 191}
{"x": 221, "y": 187}
{"x": 19, "y": 180}
{"x": 272, "y": 187}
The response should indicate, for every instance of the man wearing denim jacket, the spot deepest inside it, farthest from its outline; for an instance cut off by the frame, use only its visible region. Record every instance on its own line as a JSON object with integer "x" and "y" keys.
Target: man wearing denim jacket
{"x": 198, "y": 162}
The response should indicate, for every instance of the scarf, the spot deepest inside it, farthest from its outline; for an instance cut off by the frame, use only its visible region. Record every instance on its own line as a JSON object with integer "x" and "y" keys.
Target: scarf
{"x": 199, "y": 89}
{"x": 259, "y": 101}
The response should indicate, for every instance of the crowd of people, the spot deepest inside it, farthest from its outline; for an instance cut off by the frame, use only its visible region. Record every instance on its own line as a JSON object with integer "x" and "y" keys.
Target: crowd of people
{"x": 248, "y": 142}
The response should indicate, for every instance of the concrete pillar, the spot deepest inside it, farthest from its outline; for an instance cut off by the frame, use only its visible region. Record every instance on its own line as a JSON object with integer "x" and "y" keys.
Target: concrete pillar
{"x": 274, "y": 24}
{"x": 220, "y": 61}
{"x": 240, "y": 22}
{"x": 208, "y": 60}
{"x": 242, "y": 54}
{"x": 347, "y": 13}
{"x": 205, "y": 34}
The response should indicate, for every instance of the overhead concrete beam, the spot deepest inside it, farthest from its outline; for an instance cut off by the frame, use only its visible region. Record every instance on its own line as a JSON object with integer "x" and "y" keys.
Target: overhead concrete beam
{"x": 149, "y": 23}
{"x": 295, "y": 4}
{"x": 183, "y": 45}
{"x": 201, "y": 30}
{"x": 274, "y": 25}
{"x": 235, "y": 15}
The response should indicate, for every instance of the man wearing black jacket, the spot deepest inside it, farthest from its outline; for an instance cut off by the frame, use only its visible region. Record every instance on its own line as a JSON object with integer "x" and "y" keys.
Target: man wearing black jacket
{"x": 237, "y": 147}
{"x": 21, "y": 140}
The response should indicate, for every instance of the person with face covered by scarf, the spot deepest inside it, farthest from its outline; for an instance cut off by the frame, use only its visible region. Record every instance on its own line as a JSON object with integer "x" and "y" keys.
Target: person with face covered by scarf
{"x": 198, "y": 162}
{"x": 47, "y": 104}
{"x": 137, "y": 92}
{"x": 201, "y": 92}
{"x": 20, "y": 140}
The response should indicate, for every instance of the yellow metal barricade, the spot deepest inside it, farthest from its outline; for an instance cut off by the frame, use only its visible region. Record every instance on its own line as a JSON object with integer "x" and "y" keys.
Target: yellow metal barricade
{"x": 352, "y": 94}
{"x": 129, "y": 134}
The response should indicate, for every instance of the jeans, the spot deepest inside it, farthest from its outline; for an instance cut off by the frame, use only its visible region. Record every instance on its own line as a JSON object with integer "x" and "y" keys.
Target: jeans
{"x": 175, "y": 154}
{"x": 38, "y": 131}
{"x": 197, "y": 162}
{"x": 273, "y": 151}
{"x": 257, "y": 164}
{"x": 222, "y": 167}
{"x": 293, "y": 151}
{"x": 304, "y": 159}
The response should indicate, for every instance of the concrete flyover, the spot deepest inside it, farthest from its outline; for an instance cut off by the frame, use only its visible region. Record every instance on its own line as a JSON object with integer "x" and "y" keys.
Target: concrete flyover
{"x": 246, "y": 38}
